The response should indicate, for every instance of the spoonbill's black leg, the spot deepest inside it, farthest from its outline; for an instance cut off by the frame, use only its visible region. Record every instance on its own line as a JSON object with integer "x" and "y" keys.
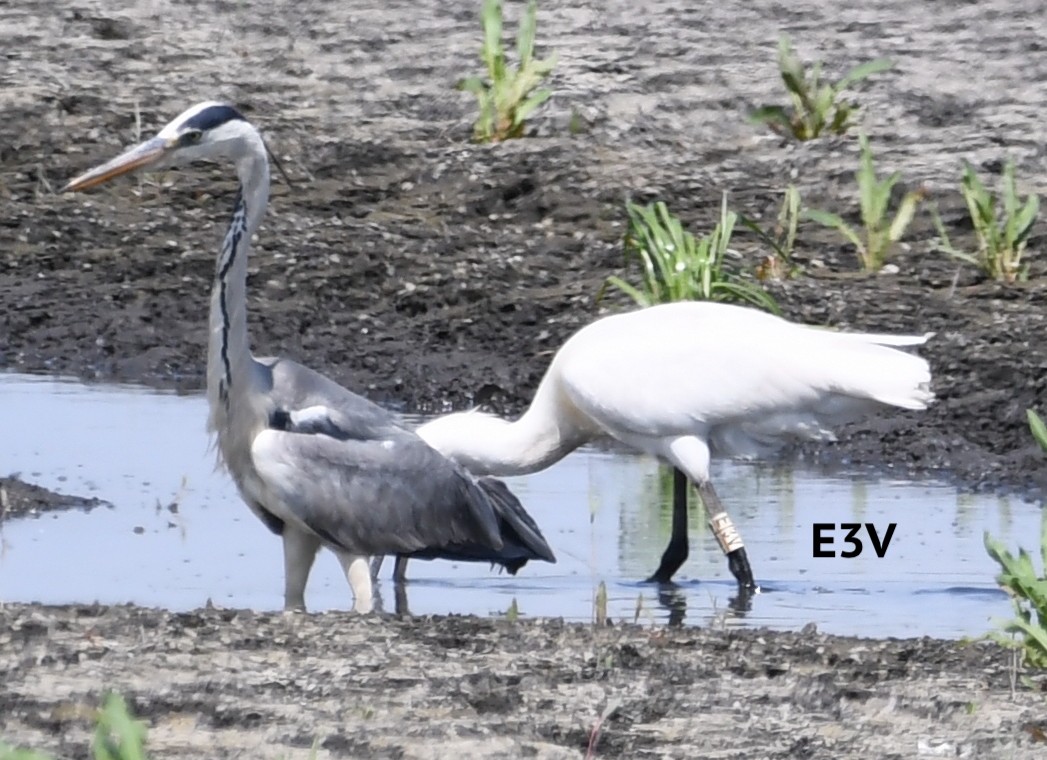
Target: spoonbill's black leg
{"x": 676, "y": 552}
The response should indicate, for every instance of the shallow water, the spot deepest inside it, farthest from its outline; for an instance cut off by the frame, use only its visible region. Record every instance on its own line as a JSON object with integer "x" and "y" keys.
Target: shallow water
{"x": 178, "y": 534}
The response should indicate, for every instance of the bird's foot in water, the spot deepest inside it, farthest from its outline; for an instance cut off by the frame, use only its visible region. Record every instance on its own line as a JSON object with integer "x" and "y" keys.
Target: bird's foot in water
{"x": 672, "y": 560}
{"x": 662, "y": 577}
{"x": 730, "y": 541}
{"x": 738, "y": 563}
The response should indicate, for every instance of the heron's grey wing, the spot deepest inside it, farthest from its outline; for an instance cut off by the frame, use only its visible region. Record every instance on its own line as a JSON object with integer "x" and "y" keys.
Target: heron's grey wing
{"x": 310, "y": 404}
{"x": 292, "y": 386}
{"x": 381, "y": 496}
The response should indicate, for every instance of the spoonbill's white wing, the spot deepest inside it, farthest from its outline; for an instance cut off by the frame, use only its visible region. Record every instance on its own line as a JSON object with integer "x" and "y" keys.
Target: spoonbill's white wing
{"x": 740, "y": 376}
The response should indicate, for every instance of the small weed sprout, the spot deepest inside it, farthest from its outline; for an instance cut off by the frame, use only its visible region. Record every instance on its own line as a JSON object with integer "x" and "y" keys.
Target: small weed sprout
{"x": 782, "y": 239}
{"x": 511, "y": 95}
{"x": 678, "y": 267}
{"x": 1028, "y": 590}
{"x": 600, "y": 605}
{"x": 1038, "y": 428}
{"x": 816, "y": 107}
{"x": 118, "y": 735}
{"x": 513, "y": 613}
{"x": 577, "y": 124}
{"x": 1002, "y": 232}
{"x": 881, "y": 231}
{"x": 594, "y": 732}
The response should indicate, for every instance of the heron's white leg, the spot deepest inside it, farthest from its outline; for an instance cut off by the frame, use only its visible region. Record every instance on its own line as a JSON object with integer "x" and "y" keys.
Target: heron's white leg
{"x": 358, "y": 574}
{"x": 300, "y": 550}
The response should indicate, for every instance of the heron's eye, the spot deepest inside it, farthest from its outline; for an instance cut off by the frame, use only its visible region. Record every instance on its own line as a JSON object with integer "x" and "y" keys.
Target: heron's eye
{"x": 192, "y": 137}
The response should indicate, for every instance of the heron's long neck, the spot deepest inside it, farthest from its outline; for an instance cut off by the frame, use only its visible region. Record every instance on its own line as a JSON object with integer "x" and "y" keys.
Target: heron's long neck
{"x": 230, "y": 367}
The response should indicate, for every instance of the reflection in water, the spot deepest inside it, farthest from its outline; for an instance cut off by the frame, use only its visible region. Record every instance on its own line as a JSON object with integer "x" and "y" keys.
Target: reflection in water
{"x": 607, "y": 515}
{"x": 673, "y": 600}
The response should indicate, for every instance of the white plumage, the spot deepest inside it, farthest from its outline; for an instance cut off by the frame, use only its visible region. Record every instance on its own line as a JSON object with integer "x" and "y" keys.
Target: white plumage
{"x": 685, "y": 381}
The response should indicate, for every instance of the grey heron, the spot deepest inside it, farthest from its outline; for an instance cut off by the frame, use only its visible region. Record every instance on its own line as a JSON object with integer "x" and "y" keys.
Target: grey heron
{"x": 320, "y": 465}
{"x": 684, "y": 381}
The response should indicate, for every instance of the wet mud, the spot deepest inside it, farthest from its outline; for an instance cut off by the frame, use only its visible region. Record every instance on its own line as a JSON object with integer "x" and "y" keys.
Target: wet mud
{"x": 21, "y": 499}
{"x": 225, "y": 684}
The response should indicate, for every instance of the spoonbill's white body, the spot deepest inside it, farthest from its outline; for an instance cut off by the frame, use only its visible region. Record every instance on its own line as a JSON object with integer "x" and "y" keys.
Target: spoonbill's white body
{"x": 686, "y": 381}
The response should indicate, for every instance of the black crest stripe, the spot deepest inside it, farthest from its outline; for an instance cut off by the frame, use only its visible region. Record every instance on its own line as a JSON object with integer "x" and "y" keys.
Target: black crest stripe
{"x": 211, "y": 117}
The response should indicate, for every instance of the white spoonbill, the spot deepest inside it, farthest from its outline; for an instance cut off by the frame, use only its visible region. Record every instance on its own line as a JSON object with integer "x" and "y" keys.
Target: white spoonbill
{"x": 684, "y": 382}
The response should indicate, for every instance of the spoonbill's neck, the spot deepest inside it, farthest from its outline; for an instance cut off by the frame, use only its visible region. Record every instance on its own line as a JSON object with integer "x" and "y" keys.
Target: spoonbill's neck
{"x": 488, "y": 445}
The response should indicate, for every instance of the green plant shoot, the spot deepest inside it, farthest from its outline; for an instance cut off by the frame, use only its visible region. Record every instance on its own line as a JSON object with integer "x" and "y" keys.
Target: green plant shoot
{"x": 678, "y": 267}
{"x": 1027, "y": 589}
{"x": 1028, "y": 592}
{"x": 117, "y": 736}
{"x": 781, "y": 240}
{"x": 509, "y": 95}
{"x": 1038, "y": 428}
{"x": 875, "y": 242}
{"x": 815, "y": 105}
{"x": 1002, "y": 225}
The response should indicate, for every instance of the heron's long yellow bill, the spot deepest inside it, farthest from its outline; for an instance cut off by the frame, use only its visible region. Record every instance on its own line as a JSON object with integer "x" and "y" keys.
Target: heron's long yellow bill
{"x": 138, "y": 157}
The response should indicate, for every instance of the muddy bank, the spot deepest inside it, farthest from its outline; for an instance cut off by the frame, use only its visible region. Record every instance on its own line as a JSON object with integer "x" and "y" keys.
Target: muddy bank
{"x": 428, "y": 272}
{"x": 224, "y": 683}
{"x": 21, "y": 499}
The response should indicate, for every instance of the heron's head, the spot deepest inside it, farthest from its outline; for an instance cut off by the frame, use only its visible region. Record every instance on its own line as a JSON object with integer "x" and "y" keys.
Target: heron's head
{"x": 206, "y": 131}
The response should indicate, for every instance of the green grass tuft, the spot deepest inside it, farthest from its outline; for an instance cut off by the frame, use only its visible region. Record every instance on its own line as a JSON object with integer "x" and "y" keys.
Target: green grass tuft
{"x": 676, "y": 266}
{"x": 1001, "y": 223}
{"x": 816, "y": 106}
{"x": 1026, "y": 587}
{"x": 880, "y": 231}
{"x": 509, "y": 95}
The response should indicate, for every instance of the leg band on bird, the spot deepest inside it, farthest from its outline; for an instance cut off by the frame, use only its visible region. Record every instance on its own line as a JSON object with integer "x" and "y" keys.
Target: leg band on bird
{"x": 728, "y": 537}
{"x": 726, "y": 534}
